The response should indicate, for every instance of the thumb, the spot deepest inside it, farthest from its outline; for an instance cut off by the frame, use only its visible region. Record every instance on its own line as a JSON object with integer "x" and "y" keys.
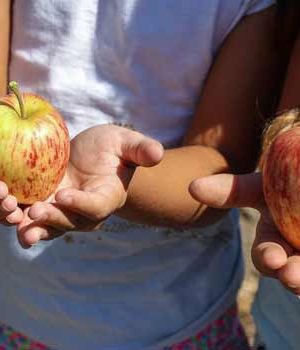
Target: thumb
{"x": 229, "y": 191}
{"x": 139, "y": 149}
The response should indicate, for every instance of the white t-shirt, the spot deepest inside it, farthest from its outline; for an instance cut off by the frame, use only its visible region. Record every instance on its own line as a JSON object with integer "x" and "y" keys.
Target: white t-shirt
{"x": 127, "y": 286}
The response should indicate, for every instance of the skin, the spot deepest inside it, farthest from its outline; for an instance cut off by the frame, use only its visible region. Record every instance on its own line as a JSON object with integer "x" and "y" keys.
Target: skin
{"x": 4, "y": 43}
{"x": 271, "y": 254}
{"x": 102, "y": 162}
{"x": 106, "y": 189}
{"x": 211, "y": 145}
{"x": 10, "y": 213}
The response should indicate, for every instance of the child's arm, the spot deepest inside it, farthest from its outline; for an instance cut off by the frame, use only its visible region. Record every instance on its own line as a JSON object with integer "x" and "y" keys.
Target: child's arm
{"x": 5, "y": 6}
{"x": 225, "y": 134}
{"x": 241, "y": 87}
{"x": 271, "y": 254}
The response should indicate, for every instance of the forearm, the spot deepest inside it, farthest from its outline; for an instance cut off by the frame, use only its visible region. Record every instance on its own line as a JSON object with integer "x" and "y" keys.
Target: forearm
{"x": 227, "y": 123}
{"x": 290, "y": 97}
{"x": 160, "y": 196}
{"x": 4, "y": 43}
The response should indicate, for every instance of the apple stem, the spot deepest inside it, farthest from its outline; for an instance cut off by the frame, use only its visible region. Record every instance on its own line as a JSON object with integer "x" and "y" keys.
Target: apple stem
{"x": 14, "y": 88}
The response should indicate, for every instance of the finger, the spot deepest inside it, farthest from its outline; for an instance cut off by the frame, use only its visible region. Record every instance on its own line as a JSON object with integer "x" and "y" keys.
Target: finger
{"x": 15, "y": 217}
{"x": 268, "y": 258}
{"x": 10, "y": 213}
{"x": 8, "y": 204}
{"x": 229, "y": 191}
{"x": 3, "y": 190}
{"x": 33, "y": 233}
{"x": 95, "y": 205}
{"x": 21, "y": 227}
{"x": 270, "y": 251}
{"x": 138, "y": 149}
{"x": 30, "y": 232}
{"x": 289, "y": 274}
{"x": 60, "y": 218}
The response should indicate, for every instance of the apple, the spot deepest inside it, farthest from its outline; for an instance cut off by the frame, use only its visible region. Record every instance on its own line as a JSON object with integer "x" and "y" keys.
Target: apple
{"x": 281, "y": 183}
{"x": 34, "y": 145}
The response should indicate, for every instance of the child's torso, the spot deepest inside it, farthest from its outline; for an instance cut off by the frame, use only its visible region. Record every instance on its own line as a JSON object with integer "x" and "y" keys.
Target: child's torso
{"x": 140, "y": 63}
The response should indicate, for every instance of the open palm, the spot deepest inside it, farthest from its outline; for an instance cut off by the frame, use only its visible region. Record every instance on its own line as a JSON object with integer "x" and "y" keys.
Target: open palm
{"x": 271, "y": 254}
{"x": 102, "y": 163}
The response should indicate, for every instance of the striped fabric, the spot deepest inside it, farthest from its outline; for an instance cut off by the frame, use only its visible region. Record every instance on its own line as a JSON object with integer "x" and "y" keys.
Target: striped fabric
{"x": 226, "y": 333}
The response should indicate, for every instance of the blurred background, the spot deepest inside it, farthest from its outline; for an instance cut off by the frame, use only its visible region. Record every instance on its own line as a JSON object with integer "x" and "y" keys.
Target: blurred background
{"x": 249, "y": 218}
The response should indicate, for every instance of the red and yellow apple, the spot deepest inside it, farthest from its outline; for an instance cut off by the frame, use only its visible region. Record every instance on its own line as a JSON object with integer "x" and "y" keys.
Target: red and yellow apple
{"x": 34, "y": 146}
{"x": 281, "y": 183}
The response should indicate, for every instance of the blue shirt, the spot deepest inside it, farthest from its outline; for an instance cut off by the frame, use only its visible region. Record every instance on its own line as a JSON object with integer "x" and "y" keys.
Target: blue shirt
{"x": 276, "y": 312}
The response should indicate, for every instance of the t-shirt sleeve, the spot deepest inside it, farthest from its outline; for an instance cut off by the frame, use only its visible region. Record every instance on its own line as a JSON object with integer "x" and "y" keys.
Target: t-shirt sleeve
{"x": 258, "y": 5}
{"x": 231, "y": 12}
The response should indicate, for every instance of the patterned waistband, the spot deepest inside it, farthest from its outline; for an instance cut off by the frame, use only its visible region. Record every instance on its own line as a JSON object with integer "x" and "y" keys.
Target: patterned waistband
{"x": 225, "y": 333}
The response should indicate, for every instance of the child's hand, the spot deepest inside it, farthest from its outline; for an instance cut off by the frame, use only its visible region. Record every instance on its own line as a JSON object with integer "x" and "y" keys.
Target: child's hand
{"x": 102, "y": 163}
{"x": 271, "y": 254}
{"x": 10, "y": 213}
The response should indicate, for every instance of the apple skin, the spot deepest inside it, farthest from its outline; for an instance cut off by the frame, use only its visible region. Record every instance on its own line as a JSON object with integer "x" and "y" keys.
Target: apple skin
{"x": 34, "y": 150}
{"x": 281, "y": 184}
